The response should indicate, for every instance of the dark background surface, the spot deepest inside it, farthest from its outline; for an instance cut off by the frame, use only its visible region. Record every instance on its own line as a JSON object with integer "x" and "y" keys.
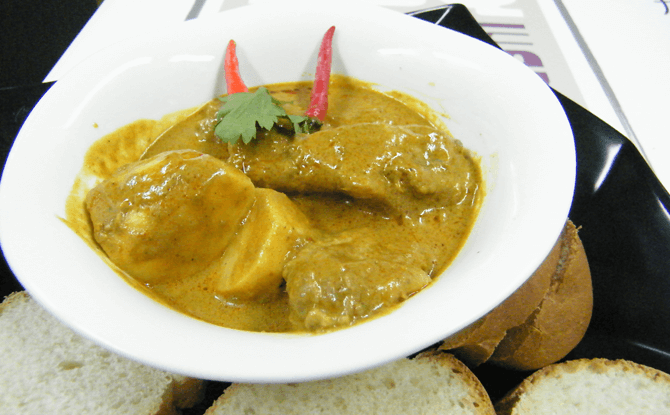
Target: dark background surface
{"x": 625, "y": 224}
{"x": 35, "y": 35}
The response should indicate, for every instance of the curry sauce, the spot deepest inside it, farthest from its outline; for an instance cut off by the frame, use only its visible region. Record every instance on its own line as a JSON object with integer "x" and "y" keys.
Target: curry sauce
{"x": 353, "y": 219}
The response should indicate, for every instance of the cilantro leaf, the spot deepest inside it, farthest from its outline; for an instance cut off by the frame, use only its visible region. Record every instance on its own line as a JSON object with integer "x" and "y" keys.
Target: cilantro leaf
{"x": 243, "y": 112}
{"x": 300, "y": 123}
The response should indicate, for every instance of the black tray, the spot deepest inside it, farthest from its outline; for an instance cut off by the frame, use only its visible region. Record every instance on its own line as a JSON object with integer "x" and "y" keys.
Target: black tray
{"x": 622, "y": 210}
{"x": 619, "y": 204}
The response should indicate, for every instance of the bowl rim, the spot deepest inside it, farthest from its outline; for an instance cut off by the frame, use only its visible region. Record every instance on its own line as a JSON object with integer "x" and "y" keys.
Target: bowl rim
{"x": 290, "y": 359}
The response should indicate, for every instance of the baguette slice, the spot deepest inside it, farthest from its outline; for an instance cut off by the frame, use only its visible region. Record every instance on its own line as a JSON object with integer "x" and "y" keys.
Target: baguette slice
{"x": 432, "y": 383}
{"x": 45, "y": 368}
{"x": 590, "y": 386}
{"x": 560, "y": 321}
{"x": 476, "y": 343}
{"x": 542, "y": 321}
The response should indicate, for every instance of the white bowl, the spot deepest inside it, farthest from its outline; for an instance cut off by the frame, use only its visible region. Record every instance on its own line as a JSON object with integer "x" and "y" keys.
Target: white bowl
{"x": 494, "y": 104}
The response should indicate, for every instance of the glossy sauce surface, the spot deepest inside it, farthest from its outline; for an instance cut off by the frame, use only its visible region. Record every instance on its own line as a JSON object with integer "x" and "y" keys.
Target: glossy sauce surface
{"x": 389, "y": 196}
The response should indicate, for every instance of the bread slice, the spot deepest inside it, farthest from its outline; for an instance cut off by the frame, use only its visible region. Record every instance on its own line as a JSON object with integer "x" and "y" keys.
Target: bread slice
{"x": 590, "y": 386}
{"x": 432, "y": 383}
{"x": 476, "y": 343}
{"x": 542, "y": 321}
{"x": 45, "y": 368}
{"x": 560, "y": 321}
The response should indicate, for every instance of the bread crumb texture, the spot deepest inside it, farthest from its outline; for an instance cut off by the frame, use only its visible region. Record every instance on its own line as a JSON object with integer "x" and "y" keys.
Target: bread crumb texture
{"x": 432, "y": 383}
{"x": 590, "y": 386}
{"x": 46, "y": 368}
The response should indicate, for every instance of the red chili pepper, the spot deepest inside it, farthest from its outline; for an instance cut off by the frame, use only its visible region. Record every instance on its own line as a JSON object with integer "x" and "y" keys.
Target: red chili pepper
{"x": 234, "y": 81}
{"x": 318, "y": 105}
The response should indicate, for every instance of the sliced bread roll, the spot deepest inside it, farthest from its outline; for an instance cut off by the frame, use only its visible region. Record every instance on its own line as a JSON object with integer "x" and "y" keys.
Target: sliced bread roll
{"x": 476, "y": 343}
{"x": 542, "y": 321}
{"x": 45, "y": 368}
{"x": 432, "y": 383}
{"x": 590, "y": 386}
{"x": 560, "y": 321}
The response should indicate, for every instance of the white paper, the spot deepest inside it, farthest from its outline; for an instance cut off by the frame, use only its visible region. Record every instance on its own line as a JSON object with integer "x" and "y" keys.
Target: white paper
{"x": 630, "y": 41}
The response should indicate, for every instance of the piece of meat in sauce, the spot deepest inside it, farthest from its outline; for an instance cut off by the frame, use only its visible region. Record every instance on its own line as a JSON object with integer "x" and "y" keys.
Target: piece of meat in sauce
{"x": 405, "y": 168}
{"x": 169, "y": 216}
{"x": 195, "y": 132}
{"x": 338, "y": 280}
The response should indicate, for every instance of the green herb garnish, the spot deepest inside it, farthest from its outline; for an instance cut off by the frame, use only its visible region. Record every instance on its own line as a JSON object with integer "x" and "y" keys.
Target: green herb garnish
{"x": 243, "y": 113}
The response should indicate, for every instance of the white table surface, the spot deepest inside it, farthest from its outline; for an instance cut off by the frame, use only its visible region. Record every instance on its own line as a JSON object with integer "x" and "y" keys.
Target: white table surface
{"x": 629, "y": 40}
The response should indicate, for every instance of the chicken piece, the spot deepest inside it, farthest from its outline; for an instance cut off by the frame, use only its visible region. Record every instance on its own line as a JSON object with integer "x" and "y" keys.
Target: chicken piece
{"x": 252, "y": 265}
{"x": 337, "y": 281}
{"x": 395, "y": 166}
{"x": 195, "y": 132}
{"x": 169, "y": 216}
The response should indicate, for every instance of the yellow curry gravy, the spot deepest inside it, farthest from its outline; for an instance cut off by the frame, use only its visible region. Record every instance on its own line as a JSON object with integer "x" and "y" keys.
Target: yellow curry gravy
{"x": 379, "y": 202}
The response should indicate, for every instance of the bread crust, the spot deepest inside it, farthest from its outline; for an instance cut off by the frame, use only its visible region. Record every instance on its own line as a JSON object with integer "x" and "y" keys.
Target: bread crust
{"x": 559, "y": 323}
{"x": 476, "y": 343}
{"x": 187, "y": 392}
{"x": 542, "y": 321}
{"x": 448, "y": 360}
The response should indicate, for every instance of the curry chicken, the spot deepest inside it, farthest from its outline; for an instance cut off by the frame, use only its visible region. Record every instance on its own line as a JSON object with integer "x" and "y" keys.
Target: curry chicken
{"x": 291, "y": 231}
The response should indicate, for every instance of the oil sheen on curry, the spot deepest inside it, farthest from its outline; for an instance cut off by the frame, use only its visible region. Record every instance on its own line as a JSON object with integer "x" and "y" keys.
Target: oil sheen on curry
{"x": 291, "y": 232}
